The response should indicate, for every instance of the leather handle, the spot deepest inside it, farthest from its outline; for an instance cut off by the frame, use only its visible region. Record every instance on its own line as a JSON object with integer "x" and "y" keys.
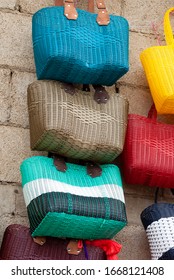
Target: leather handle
{"x": 59, "y": 2}
{"x": 71, "y": 13}
{"x": 39, "y": 240}
{"x": 91, "y": 6}
{"x": 152, "y": 114}
{"x": 100, "y": 95}
{"x": 93, "y": 169}
{"x": 103, "y": 16}
{"x": 70, "y": 10}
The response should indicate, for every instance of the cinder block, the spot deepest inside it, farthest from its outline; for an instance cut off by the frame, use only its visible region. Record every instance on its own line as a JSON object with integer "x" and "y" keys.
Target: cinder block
{"x": 14, "y": 148}
{"x": 28, "y": 7}
{"x": 134, "y": 206}
{"x": 143, "y": 14}
{"x": 139, "y": 99}
{"x": 19, "y": 109}
{"x": 20, "y": 207}
{"x": 134, "y": 243}
{"x": 7, "y": 205}
{"x": 16, "y": 42}
{"x": 5, "y": 78}
{"x": 6, "y": 4}
{"x": 9, "y": 219}
{"x": 137, "y": 43}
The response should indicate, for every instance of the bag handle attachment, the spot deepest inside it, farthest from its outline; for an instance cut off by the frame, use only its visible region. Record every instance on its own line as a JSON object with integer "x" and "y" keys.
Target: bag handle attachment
{"x": 39, "y": 240}
{"x": 70, "y": 10}
{"x": 167, "y": 27}
{"x": 71, "y": 13}
{"x": 100, "y": 95}
{"x": 103, "y": 16}
{"x": 74, "y": 247}
{"x": 93, "y": 169}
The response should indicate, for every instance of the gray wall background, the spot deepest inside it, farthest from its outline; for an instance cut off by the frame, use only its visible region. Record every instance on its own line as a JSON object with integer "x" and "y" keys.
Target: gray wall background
{"x": 17, "y": 71}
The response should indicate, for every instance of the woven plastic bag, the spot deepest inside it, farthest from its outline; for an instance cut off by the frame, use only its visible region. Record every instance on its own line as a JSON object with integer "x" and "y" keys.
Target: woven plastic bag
{"x": 78, "y": 49}
{"x": 158, "y": 221}
{"x": 158, "y": 64}
{"x": 72, "y": 203}
{"x": 75, "y": 126}
{"x": 148, "y": 154}
{"x": 17, "y": 244}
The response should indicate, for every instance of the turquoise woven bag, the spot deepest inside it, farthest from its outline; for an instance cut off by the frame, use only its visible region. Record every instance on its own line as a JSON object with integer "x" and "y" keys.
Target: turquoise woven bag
{"x": 79, "y": 51}
{"x": 72, "y": 203}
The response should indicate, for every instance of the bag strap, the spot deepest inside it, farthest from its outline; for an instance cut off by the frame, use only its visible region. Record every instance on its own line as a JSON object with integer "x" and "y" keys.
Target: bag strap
{"x": 93, "y": 169}
{"x": 71, "y": 13}
{"x": 39, "y": 240}
{"x": 58, "y": 161}
{"x": 74, "y": 247}
{"x": 167, "y": 27}
{"x": 59, "y": 2}
{"x": 103, "y": 16}
{"x": 100, "y": 95}
{"x": 152, "y": 112}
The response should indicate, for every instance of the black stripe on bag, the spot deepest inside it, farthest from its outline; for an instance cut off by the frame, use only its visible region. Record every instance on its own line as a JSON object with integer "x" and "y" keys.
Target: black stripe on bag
{"x": 169, "y": 255}
{"x": 106, "y": 208}
{"x": 155, "y": 212}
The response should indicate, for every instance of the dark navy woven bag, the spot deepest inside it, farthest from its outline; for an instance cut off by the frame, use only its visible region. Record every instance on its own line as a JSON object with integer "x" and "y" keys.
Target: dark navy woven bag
{"x": 80, "y": 50}
{"x": 158, "y": 222}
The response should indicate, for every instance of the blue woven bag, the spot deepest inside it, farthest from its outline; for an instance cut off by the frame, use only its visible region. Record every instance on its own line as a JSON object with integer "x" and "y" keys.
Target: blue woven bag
{"x": 80, "y": 50}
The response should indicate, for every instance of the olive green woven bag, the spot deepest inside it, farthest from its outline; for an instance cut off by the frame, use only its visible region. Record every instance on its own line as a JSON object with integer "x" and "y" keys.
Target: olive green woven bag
{"x": 76, "y": 126}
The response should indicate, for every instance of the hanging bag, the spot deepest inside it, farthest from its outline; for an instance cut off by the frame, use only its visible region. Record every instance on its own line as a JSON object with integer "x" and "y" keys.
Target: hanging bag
{"x": 158, "y": 64}
{"x": 17, "y": 244}
{"x": 158, "y": 222}
{"x": 72, "y": 204}
{"x": 75, "y": 126}
{"x": 148, "y": 153}
{"x": 77, "y": 46}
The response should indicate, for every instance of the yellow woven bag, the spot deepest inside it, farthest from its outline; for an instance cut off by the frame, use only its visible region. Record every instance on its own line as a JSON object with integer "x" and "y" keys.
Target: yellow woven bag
{"x": 158, "y": 64}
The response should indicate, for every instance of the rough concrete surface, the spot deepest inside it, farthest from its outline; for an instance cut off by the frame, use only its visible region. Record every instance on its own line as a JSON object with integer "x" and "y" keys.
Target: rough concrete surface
{"x": 17, "y": 71}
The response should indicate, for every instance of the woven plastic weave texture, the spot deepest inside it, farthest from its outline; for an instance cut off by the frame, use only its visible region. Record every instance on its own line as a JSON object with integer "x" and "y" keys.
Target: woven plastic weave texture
{"x": 17, "y": 244}
{"x": 72, "y": 204}
{"x": 79, "y": 51}
{"x": 148, "y": 154}
{"x": 158, "y": 64}
{"x": 158, "y": 221}
{"x": 76, "y": 126}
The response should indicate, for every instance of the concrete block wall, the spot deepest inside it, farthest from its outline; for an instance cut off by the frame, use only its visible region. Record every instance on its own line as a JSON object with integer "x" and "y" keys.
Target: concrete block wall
{"x": 17, "y": 71}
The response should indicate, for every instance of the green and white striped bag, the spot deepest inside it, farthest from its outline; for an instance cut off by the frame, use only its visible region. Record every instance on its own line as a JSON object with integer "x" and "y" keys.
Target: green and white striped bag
{"x": 72, "y": 204}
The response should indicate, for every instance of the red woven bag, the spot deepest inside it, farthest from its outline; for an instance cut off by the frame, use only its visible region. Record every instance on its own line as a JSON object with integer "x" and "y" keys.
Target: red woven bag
{"x": 148, "y": 154}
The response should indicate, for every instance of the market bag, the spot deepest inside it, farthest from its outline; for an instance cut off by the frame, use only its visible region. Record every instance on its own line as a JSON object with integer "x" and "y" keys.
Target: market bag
{"x": 17, "y": 244}
{"x": 148, "y": 154}
{"x": 80, "y": 49}
{"x": 75, "y": 126}
{"x": 158, "y": 64}
{"x": 72, "y": 203}
{"x": 158, "y": 221}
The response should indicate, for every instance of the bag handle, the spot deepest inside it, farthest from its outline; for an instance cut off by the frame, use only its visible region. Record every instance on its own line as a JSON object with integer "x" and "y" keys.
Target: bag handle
{"x": 167, "y": 27}
{"x": 152, "y": 112}
{"x": 71, "y": 13}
